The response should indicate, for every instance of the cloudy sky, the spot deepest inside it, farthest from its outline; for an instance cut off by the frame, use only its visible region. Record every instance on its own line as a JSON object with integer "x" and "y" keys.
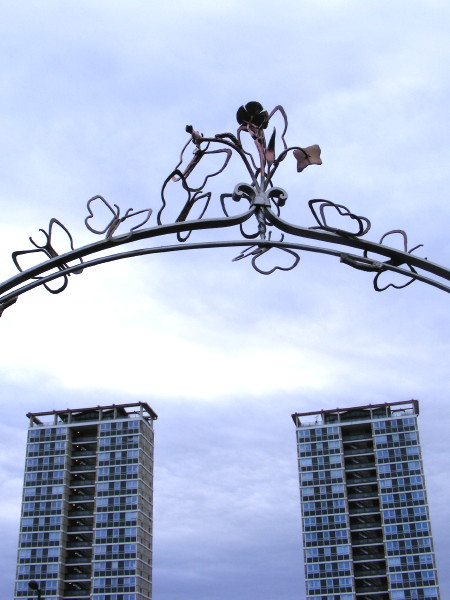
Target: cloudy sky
{"x": 94, "y": 99}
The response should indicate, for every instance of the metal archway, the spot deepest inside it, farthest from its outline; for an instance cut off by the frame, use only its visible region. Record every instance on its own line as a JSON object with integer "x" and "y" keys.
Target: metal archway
{"x": 257, "y": 224}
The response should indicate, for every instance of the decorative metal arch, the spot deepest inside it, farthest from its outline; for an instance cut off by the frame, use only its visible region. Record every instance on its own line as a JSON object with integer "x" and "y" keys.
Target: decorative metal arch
{"x": 335, "y": 225}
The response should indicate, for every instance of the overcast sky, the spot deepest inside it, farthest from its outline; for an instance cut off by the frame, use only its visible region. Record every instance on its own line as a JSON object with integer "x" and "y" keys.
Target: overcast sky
{"x": 94, "y": 99}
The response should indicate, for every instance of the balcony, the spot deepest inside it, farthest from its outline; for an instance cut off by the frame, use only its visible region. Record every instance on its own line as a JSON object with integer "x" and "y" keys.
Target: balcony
{"x": 370, "y": 573}
{"x": 79, "y": 560}
{"x": 77, "y": 576}
{"x": 79, "y": 544}
{"x": 83, "y": 468}
{"x": 82, "y": 497}
{"x": 367, "y": 558}
{"x": 366, "y": 510}
{"x": 359, "y": 466}
{"x": 361, "y": 480}
{"x": 357, "y": 494}
{"x": 76, "y": 594}
{"x": 357, "y": 437}
{"x": 366, "y": 525}
{"x": 81, "y": 439}
{"x": 367, "y": 541}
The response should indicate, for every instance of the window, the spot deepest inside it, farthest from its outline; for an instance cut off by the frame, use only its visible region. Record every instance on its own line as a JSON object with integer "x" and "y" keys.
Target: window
{"x": 395, "y": 578}
{"x": 394, "y": 562}
{"x": 337, "y": 489}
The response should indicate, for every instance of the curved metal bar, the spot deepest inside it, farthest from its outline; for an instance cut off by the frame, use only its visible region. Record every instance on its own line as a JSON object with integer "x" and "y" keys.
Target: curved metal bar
{"x": 352, "y": 241}
{"x": 365, "y": 264}
{"x": 108, "y": 243}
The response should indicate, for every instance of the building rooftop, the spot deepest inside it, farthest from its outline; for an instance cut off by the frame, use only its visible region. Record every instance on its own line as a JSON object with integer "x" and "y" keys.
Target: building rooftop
{"x": 356, "y": 413}
{"x": 94, "y": 413}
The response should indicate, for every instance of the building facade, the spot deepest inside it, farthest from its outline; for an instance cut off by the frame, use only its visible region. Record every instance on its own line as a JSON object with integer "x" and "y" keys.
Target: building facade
{"x": 86, "y": 521}
{"x": 366, "y": 526}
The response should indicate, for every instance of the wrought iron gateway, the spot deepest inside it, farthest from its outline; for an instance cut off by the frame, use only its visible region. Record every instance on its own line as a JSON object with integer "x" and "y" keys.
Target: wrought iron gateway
{"x": 253, "y": 209}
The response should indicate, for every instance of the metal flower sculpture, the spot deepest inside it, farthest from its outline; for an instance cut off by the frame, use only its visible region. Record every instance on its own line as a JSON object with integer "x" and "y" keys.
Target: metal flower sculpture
{"x": 260, "y": 165}
{"x": 190, "y": 201}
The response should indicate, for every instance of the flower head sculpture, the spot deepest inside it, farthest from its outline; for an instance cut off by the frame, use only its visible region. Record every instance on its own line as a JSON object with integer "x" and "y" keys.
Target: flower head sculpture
{"x": 260, "y": 163}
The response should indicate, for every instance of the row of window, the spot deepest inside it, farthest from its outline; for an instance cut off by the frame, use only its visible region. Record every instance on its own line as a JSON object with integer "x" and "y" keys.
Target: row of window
{"x": 119, "y": 440}
{"x": 117, "y": 455}
{"x": 330, "y": 447}
{"x": 323, "y": 538}
{"x": 51, "y": 506}
{"x": 103, "y": 584}
{"x": 324, "y": 506}
{"x": 45, "y": 492}
{"x": 414, "y": 481}
{"x": 108, "y": 488}
{"x": 407, "y": 529}
{"x": 343, "y": 584}
{"x": 323, "y": 490}
{"x": 44, "y": 477}
{"x": 403, "y": 498}
{"x": 41, "y": 522}
{"x": 113, "y": 502}
{"x": 36, "y": 570}
{"x": 400, "y": 468}
{"x": 48, "y": 587}
{"x": 38, "y": 553}
{"x": 114, "y": 565}
{"x": 320, "y": 462}
{"x": 40, "y": 538}
{"x": 398, "y": 454}
{"x": 112, "y": 428}
{"x": 118, "y": 471}
{"x": 397, "y": 514}
{"x": 116, "y": 518}
{"x": 395, "y": 424}
{"x": 396, "y": 439}
{"x": 412, "y": 579}
{"x": 335, "y": 597}
{"x": 325, "y": 522}
{"x": 414, "y": 561}
{"x": 340, "y": 551}
{"x": 38, "y": 433}
{"x": 426, "y": 593}
{"x": 114, "y": 597}
{"x": 47, "y": 448}
{"x": 45, "y": 462}
{"x": 408, "y": 546}
{"x": 125, "y": 534}
{"x": 105, "y": 550}
{"x": 318, "y": 477}
{"x": 318, "y": 568}
{"x": 318, "y": 433}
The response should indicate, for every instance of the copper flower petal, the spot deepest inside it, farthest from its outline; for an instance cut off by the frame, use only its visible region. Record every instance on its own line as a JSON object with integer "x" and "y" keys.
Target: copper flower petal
{"x": 253, "y": 112}
{"x": 307, "y": 156}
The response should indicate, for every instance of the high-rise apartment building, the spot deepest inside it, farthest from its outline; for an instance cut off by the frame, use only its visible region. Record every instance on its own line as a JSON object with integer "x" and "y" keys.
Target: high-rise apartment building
{"x": 86, "y": 523}
{"x": 366, "y": 526}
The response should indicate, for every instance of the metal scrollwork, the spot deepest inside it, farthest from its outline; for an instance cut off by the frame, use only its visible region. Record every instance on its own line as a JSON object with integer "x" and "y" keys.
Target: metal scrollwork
{"x": 395, "y": 262}
{"x": 321, "y": 218}
{"x": 48, "y": 250}
{"x": 188, "y": 205}
{"x": 257, "y": 251}
{"x": 111, "y": 216}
